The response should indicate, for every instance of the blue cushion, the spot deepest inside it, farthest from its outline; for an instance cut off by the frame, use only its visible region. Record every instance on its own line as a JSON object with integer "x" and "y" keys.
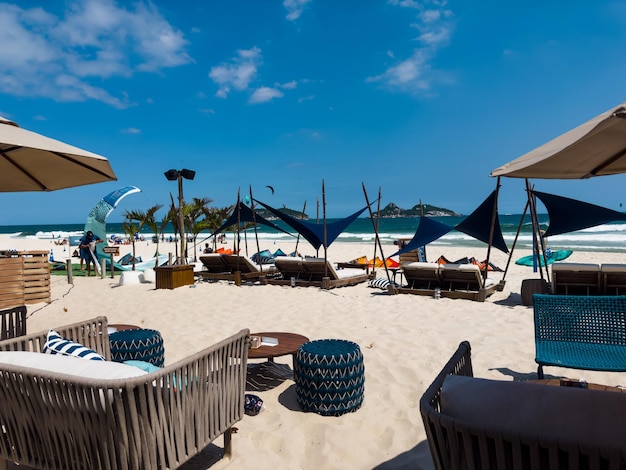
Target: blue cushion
{"x": 143, "y": 365}
{"x": 55, "y": 344}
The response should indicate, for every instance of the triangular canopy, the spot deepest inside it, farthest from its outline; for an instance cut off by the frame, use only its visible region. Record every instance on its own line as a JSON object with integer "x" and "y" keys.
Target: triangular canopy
{"x": 478, "y": 224}
{"x": 428, "y": 230}
{"x": 568, "y": 215}
{"x": 312, "y": 232}
{"x": 595, "y": 148}
{"x": 242, "y": 213}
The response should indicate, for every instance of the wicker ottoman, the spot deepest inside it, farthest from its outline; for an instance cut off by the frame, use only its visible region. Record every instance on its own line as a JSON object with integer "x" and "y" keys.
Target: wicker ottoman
{"x": 329, "y": 376}
{"x": 139, "y": 345}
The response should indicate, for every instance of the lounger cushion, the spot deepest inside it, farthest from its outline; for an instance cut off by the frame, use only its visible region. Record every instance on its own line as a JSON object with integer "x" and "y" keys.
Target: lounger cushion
{"x": 56, "y": 344}
{"x": 70, "y": 365}
{"x": 528, "y": 409}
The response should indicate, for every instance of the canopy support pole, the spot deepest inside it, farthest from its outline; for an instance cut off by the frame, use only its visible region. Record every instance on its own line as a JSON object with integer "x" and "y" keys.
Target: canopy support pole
{"x": 325, "y": 235}
{"x": 256, "y": 233}
{"x": 391, "y": 289}
{"x": 376, "y": 226}
{"x": 494, "y": 215}
{"x": 519, "y": 229}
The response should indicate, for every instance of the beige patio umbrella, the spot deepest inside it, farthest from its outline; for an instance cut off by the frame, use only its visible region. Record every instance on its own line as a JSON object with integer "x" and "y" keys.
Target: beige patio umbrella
{"x": 33, "y": 162}
{"x": 595, "y": 148}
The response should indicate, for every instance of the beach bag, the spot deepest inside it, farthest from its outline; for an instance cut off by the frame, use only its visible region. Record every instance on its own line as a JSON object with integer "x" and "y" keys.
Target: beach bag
{"x": 252, "y": 404}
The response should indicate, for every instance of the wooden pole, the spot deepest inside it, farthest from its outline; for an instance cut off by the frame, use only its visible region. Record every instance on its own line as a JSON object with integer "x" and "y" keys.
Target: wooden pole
{"x": 325, "y": 238}
{"x": 256, "y": 234}
{"x": 298, "y": 237}
{"x": 494, "y": 215}
{"x": 391, "y": 288}
{"x": 519, "y": 229}
{"x": 376, "y": 227}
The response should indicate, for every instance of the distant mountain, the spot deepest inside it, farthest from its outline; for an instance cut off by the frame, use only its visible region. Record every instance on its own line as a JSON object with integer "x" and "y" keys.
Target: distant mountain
{"x": 270, "y": 216}
{"x": 391, "y": 210}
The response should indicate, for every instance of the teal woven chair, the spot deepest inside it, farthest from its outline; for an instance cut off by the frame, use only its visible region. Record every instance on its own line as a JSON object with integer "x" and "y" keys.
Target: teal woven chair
{"x": 580, "y": 332}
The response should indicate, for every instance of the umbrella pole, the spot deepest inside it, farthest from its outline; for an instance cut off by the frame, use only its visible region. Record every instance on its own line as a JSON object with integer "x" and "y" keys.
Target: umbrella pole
{"x": 391, "y": 288}
{"x": 537, "y": 244}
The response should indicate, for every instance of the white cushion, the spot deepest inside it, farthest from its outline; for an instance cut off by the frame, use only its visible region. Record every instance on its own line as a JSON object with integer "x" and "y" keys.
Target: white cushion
{"x": 70, "y": 365}
{"x": 575, "y": 267}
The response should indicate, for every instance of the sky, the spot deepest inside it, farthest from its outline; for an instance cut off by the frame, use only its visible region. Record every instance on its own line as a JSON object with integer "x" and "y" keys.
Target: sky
{"x": 415, "y": 100}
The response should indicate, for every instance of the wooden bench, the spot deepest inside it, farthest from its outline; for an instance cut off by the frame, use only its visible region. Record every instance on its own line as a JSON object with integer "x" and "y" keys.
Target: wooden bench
{"x": 580, "y": 332}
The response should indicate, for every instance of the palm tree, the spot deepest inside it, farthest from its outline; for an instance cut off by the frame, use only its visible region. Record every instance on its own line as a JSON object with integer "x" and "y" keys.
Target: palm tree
{"x": 192, "y": 212}
{"x": 148, "y": 219}
{"x": 130, "y": 229}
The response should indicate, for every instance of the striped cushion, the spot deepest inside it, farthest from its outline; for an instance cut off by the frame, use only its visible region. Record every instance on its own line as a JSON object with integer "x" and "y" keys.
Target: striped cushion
{"x": 381, "y": 283}
{"x": 55, "y": 344}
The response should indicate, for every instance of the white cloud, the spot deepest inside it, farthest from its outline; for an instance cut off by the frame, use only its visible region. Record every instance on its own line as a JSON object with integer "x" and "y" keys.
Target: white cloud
{"x": 131, "y": 130}
{"x": 414, "y": 74}
{"x": 238, "y": 73}
{"x": 264, "y": 94}
{"x": 57, "y": 57}
{"x": 306, "y": 98}
{"x": 287, "y": 86}
{"x": 294, "y": 8}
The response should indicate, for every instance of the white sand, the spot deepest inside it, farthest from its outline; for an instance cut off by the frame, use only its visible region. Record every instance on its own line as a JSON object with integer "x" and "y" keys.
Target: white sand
{"x": 405, "y": 340}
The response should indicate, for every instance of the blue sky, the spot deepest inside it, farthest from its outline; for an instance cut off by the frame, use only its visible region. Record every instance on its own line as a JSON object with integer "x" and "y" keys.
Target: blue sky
{"x": 421, "y": 99}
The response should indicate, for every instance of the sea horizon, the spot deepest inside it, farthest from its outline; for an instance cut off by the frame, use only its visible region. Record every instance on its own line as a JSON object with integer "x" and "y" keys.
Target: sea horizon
{"x": 607, "y": 237}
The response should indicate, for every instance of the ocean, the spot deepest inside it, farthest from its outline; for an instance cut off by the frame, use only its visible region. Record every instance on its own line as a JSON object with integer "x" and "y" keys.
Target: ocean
{"x": 609, "y": 237}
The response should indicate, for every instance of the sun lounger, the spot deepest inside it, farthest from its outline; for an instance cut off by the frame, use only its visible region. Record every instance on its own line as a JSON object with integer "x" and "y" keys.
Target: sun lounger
{"x": 421, "y": 278}
{"x": 138, "y": 420}
{"x": 465, "y": 281}
{"x": 235, "y": 268}
{"x": 213, "y": 263}
{"x": 13, "y": 322}
{"x": 316, "y": 272}
{"x": 613, "y": 279}
{"x": 576, "y": 279}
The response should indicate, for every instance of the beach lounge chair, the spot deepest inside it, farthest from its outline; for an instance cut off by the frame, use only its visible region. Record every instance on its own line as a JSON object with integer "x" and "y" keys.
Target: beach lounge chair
{"x": 213, "y": 263}
{"x": 138, "y": 420}
{"x": 316, "y": 272}
{"x": 576, "y": 279}
{"x": 421, "y": 278}
{"x": 465, "y": 281}
{"x": 232, "y": 268}
{"x": 613, "y": 279}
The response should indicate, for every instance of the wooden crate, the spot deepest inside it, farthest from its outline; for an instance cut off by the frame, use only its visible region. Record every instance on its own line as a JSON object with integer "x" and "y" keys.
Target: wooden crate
{"x": 171, "y": 277}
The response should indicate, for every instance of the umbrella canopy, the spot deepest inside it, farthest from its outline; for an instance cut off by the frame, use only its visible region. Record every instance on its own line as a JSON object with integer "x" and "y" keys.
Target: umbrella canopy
{"x": 595, "y": 148}
{"x": 33, "y": 162}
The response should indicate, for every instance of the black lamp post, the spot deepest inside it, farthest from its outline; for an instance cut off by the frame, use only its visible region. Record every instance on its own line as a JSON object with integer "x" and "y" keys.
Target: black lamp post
{"x": 178, "y": 175}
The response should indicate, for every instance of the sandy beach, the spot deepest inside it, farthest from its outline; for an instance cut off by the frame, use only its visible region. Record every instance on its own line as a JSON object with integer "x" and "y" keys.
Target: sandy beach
{"x": 405, "y": 340}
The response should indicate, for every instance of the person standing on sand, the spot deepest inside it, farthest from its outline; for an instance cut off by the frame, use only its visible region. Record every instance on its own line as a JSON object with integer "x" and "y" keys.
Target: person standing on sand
{"x": 87, "y": 245}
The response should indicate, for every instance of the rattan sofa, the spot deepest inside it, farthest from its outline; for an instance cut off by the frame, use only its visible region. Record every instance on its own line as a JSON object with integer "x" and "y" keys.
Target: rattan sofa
{"x": 474, "y": 423}
{"x": 155, "y": 421}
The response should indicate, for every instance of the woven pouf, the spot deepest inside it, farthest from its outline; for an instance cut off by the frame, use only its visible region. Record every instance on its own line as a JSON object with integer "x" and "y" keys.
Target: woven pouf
{"x": 329, "y": 376}
{"x": 138, "y": 345}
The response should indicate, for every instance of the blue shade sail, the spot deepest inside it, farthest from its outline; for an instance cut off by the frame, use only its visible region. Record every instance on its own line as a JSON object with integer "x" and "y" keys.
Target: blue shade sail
{"x": 568, "y": 215}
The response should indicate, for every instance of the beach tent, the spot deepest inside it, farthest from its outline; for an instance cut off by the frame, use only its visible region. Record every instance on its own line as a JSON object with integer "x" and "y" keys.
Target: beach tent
{"x": 318, "y": 235}
{"x": 595, "y": 148}
{"x": 33, "y": 162}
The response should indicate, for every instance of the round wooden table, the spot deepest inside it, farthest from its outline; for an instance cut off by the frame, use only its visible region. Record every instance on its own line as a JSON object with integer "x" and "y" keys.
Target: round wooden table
{"x": 288, "y": 343}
